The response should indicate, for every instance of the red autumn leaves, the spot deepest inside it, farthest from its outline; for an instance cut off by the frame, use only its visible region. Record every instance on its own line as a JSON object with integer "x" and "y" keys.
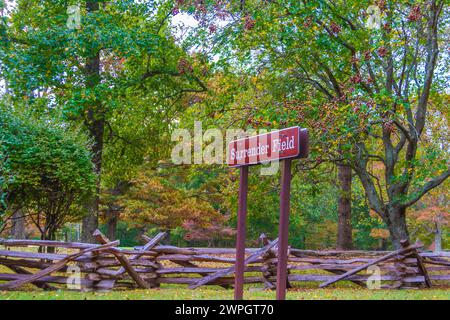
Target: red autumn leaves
{"x": 415, "y": 14}
{"x": 184, "y": 66}
{"x": 249, "y": 22}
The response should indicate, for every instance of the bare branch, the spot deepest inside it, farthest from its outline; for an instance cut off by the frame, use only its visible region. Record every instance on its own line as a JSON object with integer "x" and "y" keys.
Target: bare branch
{"x": 426, "y": 188}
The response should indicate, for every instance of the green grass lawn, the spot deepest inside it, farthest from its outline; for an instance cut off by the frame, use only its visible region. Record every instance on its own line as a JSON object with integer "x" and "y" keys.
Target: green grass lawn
{"x": 182, "y": 293}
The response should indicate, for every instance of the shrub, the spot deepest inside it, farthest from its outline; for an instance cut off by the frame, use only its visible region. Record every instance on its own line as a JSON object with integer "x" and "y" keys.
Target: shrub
{"x": 45, "y": 171}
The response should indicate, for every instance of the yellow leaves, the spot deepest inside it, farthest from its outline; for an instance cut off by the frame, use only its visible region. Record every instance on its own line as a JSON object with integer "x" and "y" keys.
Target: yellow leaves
{"x": 372, "y": 213}
{"x": 378, "y": 169}
{"x": 344, "y": 107}
{"x": 379, "y": 233}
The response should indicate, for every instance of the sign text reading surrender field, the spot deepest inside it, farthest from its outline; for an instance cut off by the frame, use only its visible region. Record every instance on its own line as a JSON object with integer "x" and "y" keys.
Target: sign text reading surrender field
{"x": 275, "y": 145}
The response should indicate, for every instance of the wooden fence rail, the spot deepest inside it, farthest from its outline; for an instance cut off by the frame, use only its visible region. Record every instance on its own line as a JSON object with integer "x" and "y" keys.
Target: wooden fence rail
{"x": 105, "y": 266}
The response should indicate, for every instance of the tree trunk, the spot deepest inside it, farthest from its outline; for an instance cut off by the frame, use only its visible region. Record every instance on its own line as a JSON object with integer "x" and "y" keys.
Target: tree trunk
{"x": 382, "y": 245}
{"x": 95, "y": 122}
{"x": 344, "y": 236}
{"x": 50, "y": 234}
{"x": 113, "y": 218}
{"x": 438, "y": 224}
{"x": 18, "y": 225}
{"x": 438, "y": 237}
{"x": 90, "y": 221}
{"x": 395, "y": 219}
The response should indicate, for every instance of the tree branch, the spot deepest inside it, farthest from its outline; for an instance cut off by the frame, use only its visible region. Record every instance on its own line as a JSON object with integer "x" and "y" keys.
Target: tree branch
{"x": 426, "y": 188}
{"x": 360, "y": 167}
{"x": 430, "y": 66}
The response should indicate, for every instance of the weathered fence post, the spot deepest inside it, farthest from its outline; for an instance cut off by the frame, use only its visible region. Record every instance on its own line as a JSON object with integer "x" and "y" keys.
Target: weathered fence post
{"x": 268, "y": 265}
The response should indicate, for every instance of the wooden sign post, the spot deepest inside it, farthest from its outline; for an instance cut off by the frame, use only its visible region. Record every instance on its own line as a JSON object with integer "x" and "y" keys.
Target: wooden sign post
{"x": 285, "y": 145}
{"x": 283, "y": 229}
{"x": 241, "y": 234}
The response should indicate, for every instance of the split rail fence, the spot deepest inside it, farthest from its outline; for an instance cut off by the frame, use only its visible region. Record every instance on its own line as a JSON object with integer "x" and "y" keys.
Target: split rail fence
{"x": 53, "y": 265}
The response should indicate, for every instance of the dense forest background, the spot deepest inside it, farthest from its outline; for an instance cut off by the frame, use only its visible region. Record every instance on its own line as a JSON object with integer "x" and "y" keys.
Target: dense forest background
{"x": 92, "y": 91}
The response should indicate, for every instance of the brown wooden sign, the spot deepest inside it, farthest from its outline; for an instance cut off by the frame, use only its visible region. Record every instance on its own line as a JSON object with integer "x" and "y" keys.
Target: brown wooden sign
{"x": 276, "y": 145}
{"x": 285, "y": 144}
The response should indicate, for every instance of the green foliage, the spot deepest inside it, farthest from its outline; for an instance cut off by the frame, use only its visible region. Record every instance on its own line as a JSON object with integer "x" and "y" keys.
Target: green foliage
{"x": 46, "y": 170}
{"x": 128, "y": 236}
{"x": 140, "y": 82}
{"x": 318, "y": 65}
{"x": 363, "y": 222}
{"x": 249, "y": 64}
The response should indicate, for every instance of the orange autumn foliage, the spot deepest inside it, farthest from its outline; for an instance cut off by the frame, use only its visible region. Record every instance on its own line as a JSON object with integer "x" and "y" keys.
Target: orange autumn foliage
{"x": 379, "y": 233}
{"x": 152, "y": 201}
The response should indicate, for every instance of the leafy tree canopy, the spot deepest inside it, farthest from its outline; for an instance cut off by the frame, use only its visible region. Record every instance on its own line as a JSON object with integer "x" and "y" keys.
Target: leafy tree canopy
{"x": 46, "y": 170}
